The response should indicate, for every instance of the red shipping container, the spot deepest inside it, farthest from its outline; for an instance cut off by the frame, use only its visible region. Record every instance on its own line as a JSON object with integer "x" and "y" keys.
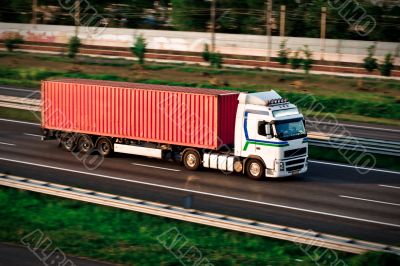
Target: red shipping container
{"x": 193, "y": 117}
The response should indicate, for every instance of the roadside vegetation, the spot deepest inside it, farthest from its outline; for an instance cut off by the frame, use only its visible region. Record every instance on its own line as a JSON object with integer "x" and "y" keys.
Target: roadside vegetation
{"x": 369, "y": 100}
{"x": 124, "y": 237}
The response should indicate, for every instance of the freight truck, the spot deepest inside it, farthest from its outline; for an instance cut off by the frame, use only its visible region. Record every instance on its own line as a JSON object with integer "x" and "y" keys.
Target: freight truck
{"x": 258, "y": 134}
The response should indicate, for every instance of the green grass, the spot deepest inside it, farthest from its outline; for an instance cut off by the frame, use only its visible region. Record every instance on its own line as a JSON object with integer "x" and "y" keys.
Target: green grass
{"x": 333, "y": 155}
{"x": 125, "y": 237}
{"x": 22, "y": 115}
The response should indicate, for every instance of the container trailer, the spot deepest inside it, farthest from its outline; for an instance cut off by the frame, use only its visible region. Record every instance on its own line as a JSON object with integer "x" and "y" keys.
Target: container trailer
{"x": 259, "y": 134}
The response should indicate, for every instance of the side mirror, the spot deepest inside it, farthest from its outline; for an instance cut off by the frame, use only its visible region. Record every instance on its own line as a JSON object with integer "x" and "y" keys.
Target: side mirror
{"x": 268, "y": 131}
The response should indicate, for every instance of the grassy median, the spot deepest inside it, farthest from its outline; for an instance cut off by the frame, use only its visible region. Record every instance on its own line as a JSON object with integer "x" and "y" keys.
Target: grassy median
{"x": 119, "y": 236}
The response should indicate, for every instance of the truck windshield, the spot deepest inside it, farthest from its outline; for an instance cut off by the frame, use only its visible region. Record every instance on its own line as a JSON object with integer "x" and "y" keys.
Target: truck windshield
{"x": 290, "y": 129}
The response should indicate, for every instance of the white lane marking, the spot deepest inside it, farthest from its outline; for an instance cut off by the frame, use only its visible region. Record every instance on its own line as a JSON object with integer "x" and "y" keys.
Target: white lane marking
{"x": 19, "y": 122}
{"x": 8, "y": 144}
{"x": 32, "y": 135}
{"x": 157, "y": 167}
{"x": 389, "y": 186}
{"x": 355, "y": 167}
{"x": 370, "y": 200}
{"x": 204, "y": 193}
{"x": 15, "y": 89}
{"x": 358, "y": 126}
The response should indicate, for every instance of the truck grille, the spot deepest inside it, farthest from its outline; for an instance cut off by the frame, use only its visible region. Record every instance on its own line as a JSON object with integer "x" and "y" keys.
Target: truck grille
{"x": 293, "y": 168}
{"x": 295, "y": 152}
{"x": 295, "y": 162}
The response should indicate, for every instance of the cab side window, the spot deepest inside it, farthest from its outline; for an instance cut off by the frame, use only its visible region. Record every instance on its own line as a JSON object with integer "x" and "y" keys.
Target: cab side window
{"x": 261, "y": 128}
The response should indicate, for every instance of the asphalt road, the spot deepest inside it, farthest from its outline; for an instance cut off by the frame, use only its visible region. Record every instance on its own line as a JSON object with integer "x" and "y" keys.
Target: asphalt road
{"x": 331, "y": 198}
{"x": 353, "y": 129}
{"x": 13, "y": 255}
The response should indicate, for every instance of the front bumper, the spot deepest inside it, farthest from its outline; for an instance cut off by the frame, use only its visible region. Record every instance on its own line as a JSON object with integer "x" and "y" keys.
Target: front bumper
{"x": 289, "y": 167}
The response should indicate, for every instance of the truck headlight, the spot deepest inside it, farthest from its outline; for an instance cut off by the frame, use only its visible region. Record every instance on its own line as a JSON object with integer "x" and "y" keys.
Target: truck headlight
{"x": 281, "y": 166}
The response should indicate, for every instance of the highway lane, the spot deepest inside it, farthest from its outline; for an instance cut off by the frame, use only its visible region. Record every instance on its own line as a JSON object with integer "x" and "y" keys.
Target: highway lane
{"x": 354, "y": 129}
{"x": 19, "y": 92}
{"x": 330, "y": 199}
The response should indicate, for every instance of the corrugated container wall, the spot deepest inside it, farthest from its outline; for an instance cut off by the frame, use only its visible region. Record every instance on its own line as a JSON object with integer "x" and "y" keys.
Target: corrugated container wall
{"x": 194, "y": 117}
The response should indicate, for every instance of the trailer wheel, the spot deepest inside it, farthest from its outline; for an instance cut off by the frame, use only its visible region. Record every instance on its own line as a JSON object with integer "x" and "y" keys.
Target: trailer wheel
{"x": 191, "y": 160}
{"x": 85, "y": 144}
{"x": 255, "y": 169}
{"x": 104, "y": 147}
{"x": 68, "y": 142}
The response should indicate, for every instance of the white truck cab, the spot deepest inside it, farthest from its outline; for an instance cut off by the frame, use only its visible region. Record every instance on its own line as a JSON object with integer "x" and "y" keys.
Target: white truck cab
{"x": 270, "y": 130}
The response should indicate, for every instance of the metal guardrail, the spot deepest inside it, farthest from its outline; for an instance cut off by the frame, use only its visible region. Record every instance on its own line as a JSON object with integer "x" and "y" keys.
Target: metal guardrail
{"x": 355, "y": 144}
{"x": 20, "y": 103}
{"x": 315, "y": 138}
{"x": 301, "y": 236}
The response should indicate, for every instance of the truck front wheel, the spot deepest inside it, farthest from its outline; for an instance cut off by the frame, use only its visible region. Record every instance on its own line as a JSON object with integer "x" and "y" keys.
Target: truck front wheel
{"x": 191, "y": 160}
{"x": 255, "y": 169}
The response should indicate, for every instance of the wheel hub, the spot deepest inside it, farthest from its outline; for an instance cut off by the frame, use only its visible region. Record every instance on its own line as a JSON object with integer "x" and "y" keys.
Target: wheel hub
{"x": 191, "y": 160}
{"x": 255, "y": 169}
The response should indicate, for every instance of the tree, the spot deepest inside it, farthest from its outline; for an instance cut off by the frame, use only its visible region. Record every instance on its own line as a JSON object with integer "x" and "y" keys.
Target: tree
{"x": 216, "y": 60}
{"x": 387, "y": 66}
{"x": 73, "y": 46}
{"x": 370, "y": 63}
{"x": 283, "y": 54}
{"x": 307, "y": 61}
{"x": 192, "y": 15}
{"x": 296, "y": 60}
{"x": 11, "y": 43}
{"x": 206, "y": 53}
{"x": 139, "y": 49}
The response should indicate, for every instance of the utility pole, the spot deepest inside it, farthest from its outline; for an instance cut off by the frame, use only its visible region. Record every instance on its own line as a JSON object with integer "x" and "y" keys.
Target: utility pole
{"x": 269, "y": 26}
{"x": 282, "y": 22}
{"x": 34, "y": 12}
{"x": 77, "y": 16}
{"x": 323, "y": 31}
{"x": 213, "y": 15}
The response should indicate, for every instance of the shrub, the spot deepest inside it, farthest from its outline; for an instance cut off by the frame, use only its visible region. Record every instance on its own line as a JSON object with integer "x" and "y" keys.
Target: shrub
{"x": 283, "y": 54}
{"x": 73, "y": 46}
{"x": 216, "y": 60}
{"x": 387, "y": 66}
{"x": 370, "y": 63}
{"x": 308, "y": 61}
{"x": 295, "y": 61}
{"x": 12, "y": 43}
{"x": 206, "y": 53}
{"x": 139, "y": 50}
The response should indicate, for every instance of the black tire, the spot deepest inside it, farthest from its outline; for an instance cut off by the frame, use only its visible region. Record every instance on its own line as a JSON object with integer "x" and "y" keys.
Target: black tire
{"x": 104, "y": 147}
{"x": 255, "y": 169}
{"x": 68, "y": 142}
{"x": 85, "y": 144}
{"x": 191, "y": 160}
